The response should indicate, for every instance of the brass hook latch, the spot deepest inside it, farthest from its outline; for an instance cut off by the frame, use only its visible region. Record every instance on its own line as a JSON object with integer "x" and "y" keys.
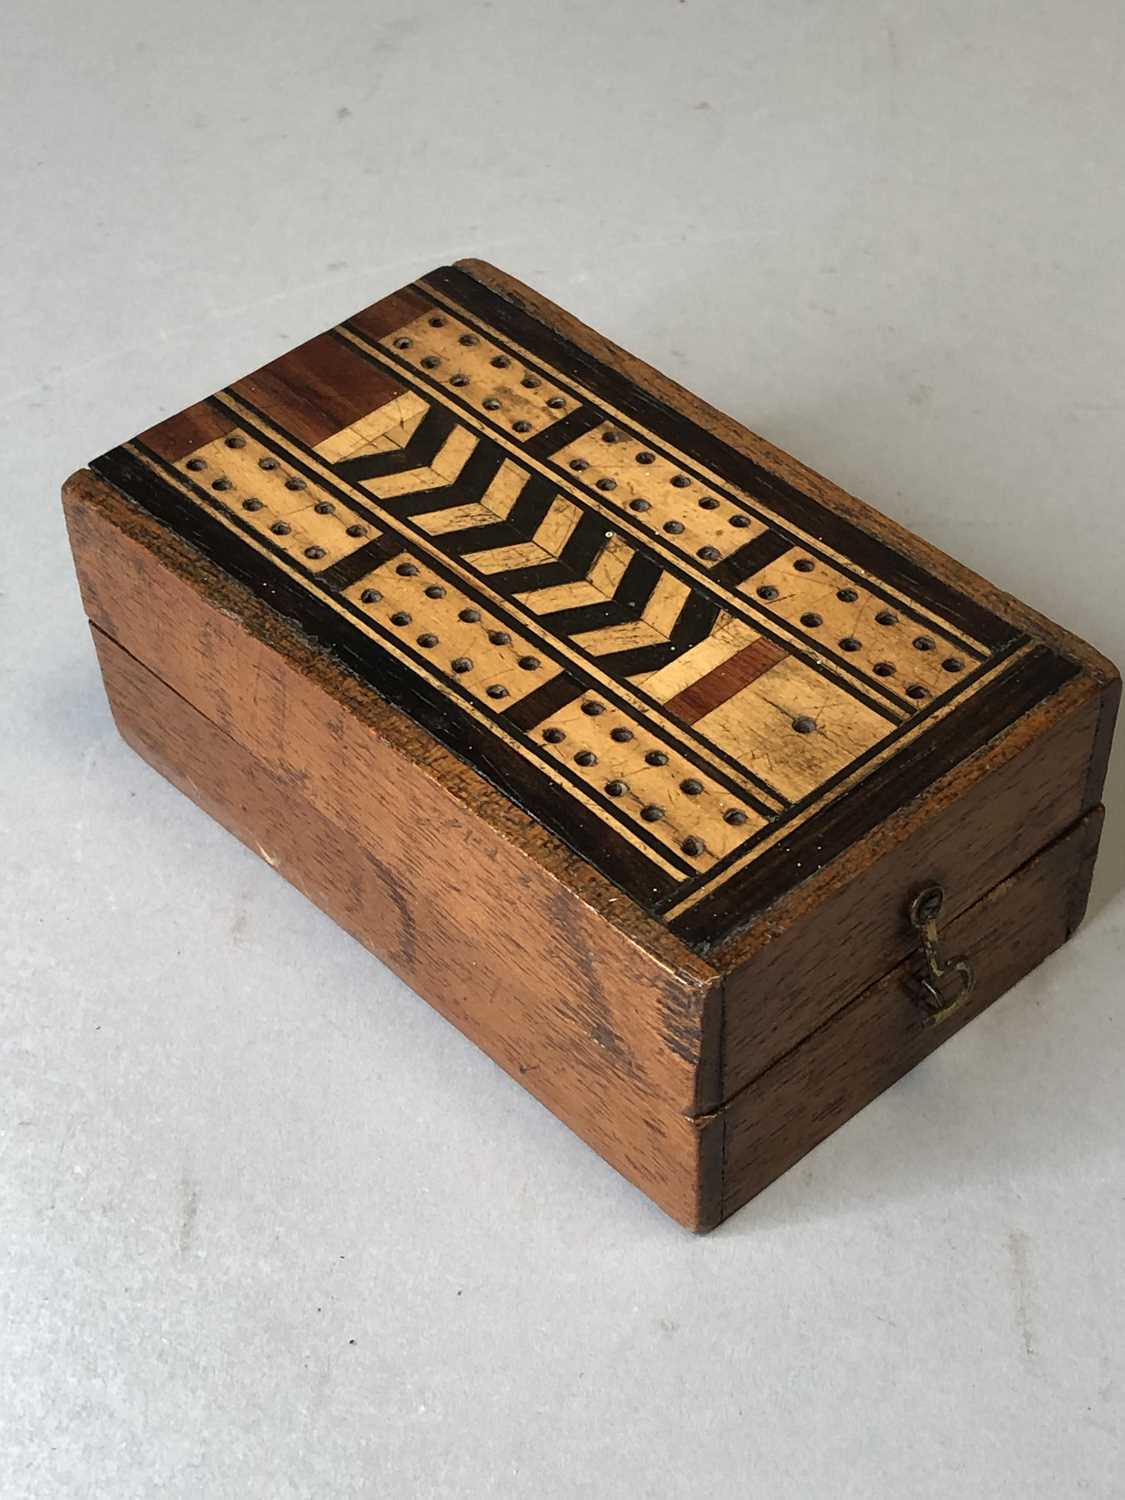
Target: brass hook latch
{"x": 924, "y": 912}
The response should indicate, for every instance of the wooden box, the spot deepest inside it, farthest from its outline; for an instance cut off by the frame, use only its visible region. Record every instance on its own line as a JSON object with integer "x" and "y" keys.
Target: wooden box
{"x": 701, "y": 796}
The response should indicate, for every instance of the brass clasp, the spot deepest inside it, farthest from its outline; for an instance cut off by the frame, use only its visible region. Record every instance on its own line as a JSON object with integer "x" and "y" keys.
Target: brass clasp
{"x": 924, "y": 912}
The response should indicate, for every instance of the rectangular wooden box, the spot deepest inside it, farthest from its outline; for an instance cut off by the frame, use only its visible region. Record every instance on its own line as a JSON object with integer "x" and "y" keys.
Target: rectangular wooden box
{"x": 625, "y": 739}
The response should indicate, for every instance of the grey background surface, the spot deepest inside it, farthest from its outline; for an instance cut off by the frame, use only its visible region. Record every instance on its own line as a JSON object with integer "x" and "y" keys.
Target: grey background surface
{"x": 268, "y": 1226}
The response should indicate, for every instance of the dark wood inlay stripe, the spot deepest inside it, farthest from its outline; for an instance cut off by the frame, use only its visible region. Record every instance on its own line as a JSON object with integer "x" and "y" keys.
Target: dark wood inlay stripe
{"x": 751, "y": 559}
{"x": 558, "y": 692}
{"x": 350, "y": 569}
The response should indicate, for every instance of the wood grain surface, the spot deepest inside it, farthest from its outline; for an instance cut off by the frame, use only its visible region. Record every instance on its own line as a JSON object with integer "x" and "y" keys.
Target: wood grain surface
{"x": 620, "y": 735}
{"x": 550, "y": 1002}
{"x": 849, "y": 921}
{"x": 872, "y": 1042}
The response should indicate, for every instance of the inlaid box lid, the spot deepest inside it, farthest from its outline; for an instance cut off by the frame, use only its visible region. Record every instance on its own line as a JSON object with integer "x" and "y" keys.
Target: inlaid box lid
{"x": 705, "y": 675}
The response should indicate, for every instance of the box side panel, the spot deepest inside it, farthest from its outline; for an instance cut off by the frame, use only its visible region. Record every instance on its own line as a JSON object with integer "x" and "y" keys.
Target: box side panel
{"x": 547, "y": 1030}
{"x": 866, "y": 1047}
{"x": 604, "y": 1026}
{"x": 847, "y": 925}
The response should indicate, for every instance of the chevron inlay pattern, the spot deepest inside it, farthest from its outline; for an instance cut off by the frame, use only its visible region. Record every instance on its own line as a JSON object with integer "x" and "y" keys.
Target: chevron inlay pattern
{"x": 635, "y": 644}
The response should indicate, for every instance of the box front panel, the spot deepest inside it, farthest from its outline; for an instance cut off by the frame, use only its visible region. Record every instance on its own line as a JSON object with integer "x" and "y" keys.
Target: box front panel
{"x": 884, "y": 1032}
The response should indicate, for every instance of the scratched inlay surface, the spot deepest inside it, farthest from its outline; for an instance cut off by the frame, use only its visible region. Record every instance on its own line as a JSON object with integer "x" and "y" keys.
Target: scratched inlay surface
{"x": 679, "y": 662}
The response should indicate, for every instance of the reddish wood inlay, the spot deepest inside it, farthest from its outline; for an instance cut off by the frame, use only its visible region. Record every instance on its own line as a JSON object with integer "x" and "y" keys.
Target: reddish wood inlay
{"x": 187, "y": 430}
{"x": 723, "y": 681}
{"x": 392, "y": 312}
{"x": 319, "y": 388}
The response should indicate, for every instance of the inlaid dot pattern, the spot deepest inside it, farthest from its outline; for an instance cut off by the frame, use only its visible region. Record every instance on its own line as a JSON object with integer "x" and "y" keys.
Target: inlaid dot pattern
{"x": 484, "y": 376}
{"x": 615, "y": 463}
{"x": 652, "y": 784}
{"x": 689, "y": 520}
{"x": 875, "y": 639}
{"x": 491, "y": 662}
